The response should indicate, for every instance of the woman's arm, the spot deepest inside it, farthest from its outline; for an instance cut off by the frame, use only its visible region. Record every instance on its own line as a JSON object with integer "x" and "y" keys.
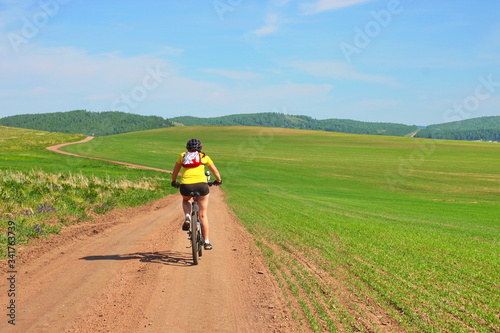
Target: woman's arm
{"x": 175, "y": 173}
{"x": 215, "y": 172}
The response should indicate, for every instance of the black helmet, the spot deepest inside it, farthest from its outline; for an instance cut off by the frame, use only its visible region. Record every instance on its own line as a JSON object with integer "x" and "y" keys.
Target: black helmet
{"x": 194, "y": 144}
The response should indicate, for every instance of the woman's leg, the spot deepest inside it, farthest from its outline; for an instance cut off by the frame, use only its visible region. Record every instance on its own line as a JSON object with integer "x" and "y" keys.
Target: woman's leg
{"x": 186, "y": 205}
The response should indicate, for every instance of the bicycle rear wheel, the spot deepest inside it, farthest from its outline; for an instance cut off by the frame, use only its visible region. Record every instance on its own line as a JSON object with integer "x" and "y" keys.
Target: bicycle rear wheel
{"x": 200, "y": 243}
{"x": 194, "y": 238}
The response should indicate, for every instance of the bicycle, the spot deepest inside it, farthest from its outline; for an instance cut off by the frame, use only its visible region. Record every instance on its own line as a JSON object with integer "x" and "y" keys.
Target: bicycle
{"x": 195, "y": 235}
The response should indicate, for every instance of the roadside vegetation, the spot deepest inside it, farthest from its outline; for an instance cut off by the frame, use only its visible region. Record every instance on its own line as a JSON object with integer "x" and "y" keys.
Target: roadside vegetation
{"x": 363, "y": 233}
{"x": 42, "y": 191}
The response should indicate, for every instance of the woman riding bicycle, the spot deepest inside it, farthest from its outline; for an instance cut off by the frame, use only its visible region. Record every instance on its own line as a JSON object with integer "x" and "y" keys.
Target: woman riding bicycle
{"x": 194, "y": 180}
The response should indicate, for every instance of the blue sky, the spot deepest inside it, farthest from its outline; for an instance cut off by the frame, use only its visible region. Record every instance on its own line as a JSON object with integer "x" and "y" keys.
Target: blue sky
{"x": 413, "y": 62}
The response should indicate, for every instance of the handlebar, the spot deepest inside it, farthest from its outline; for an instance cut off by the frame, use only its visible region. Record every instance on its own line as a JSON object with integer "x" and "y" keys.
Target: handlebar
{"x": 207, "y": 173}
{"x": 216, "y": 183}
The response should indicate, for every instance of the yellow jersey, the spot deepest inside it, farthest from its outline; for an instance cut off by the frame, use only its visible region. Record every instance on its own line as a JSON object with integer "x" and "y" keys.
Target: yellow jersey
{"x": 196, "y": 174}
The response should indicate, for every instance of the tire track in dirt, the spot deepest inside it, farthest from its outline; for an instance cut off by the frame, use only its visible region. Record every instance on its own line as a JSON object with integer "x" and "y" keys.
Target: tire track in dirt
{"x": 130, "y": 270}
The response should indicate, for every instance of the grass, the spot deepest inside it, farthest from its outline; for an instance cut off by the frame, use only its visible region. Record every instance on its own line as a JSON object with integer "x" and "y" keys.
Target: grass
{"x": 42, "y": 191}
{"x": 359, "y": 230}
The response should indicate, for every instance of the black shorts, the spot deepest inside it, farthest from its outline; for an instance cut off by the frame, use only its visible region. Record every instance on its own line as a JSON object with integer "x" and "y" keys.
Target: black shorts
{"x": 201, "y": 188}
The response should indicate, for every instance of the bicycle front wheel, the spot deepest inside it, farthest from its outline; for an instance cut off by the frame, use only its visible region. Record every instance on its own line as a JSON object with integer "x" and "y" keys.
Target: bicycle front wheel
{"x": 194, "y": 238}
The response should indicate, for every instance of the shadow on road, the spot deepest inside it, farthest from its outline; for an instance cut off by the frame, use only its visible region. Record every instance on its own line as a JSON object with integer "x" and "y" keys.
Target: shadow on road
{"x": 163, "y": 257}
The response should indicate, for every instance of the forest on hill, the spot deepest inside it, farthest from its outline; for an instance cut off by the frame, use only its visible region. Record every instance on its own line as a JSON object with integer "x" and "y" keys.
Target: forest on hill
{"x": 476, "y": 129}
{"x": 115, "y": 122}
{"x": 87, "y": 123}
{"x": 273, "y": 119}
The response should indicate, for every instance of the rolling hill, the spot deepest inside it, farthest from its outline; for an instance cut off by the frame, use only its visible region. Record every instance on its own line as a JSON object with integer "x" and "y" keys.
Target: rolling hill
{"x": 85, "y": 122}
{"x": 114, "y": 122}
{"x": 272, "y": 119}
{"x": 476, "y": 129}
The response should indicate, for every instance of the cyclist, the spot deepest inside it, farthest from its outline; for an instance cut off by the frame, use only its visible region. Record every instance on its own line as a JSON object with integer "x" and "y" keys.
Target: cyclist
{"x": 193, "y": 179}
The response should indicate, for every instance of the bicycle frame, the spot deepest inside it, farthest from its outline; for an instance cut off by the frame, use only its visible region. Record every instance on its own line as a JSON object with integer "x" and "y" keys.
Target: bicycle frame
{"x": 195, "y": 234}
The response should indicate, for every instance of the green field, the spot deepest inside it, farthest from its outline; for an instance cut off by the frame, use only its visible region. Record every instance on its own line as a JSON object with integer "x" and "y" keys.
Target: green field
{"x": 361, "y": 232}
{"x": 42, "y": 191}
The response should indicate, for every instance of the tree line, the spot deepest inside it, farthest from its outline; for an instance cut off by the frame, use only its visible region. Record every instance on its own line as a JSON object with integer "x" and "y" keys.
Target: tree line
{"x": 274, "y": 119}
{"x": 115, "y": 122}
{"x": 87, "y": 123}
{"x": 476, "y": 129}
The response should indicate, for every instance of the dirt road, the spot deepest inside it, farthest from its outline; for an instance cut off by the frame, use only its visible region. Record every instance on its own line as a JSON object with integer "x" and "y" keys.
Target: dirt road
{"x": 130, "y": 271}
{"x": 56, "y": 149}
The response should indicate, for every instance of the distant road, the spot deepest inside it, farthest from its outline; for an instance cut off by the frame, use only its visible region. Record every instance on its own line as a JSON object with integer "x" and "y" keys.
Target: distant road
{"x": 56, "y": 149}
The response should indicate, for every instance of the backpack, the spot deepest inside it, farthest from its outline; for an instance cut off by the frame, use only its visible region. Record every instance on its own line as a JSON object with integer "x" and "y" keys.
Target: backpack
{"x": 191, "y": 159}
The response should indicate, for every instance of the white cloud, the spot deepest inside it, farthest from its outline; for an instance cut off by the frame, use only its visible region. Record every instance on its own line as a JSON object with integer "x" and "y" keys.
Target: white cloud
{"x": 373, "y": 104}
{"x": 325, "y": 5}
{"x": 73, "y": 67}
{"x": 64, "y": 78}
{"x": 274, "y": 18}
{"x": 376, "y": 110}
{"x": 339, "y": 70}
{"x": 11, "y": 14}
{"x": 234, "y": 75}
{"x": 266, "y": 98}
{"x": 289, "y": 91}
{"x": 280, "y": 2}
{"x": 255, "y": 97}
{"x": 167, "y": 50}
{"x": 272, "y": 25}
